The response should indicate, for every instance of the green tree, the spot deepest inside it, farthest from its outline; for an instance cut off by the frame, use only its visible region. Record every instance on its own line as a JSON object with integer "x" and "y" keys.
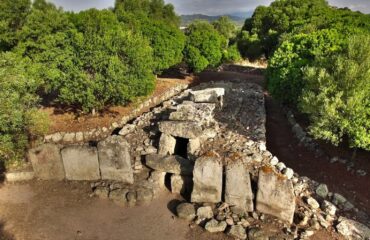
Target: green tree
{"x": 12, "y": 17}
{"x": 204, "y": 46}
{"x": 337, "y": 97}
{"x": 20, "y": 120}
{"x": 225, "y": 27}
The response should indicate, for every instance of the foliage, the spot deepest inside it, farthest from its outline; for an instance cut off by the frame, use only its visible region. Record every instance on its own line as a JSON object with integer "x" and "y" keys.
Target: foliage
{"x": 337, "y": 97}
{"x": 285, "y": 67}
{"x": 12, "y": 16}
{"x": 249, "y": 45}
{"x": 225, "y": 27}
{"x": 204, "y": 46}
{"x": 232, "y": 54}
{"x": 19, "y": 117}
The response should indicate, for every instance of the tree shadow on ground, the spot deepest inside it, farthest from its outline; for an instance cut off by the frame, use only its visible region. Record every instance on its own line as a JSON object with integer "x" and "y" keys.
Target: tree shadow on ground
{"x": 2, "y": 172}
{"x": 4, "y": 235}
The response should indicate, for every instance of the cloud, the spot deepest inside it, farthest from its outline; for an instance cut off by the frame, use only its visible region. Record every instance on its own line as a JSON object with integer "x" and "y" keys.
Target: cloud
{"x": 210, "y": 7}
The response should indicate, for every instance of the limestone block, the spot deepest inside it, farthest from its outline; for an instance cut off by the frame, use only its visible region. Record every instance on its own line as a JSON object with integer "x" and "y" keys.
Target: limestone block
{"x": 275, "y": 195}
{"x": 170, "y": 164}
{"x": 167, "y": 144}
{"x": 238, "y": 189}
{"x": 207, "y": 179}
{"x": 115, "y": 160}
{"x": 183, "y": 129}
{"x": 210, "y": 95}
{"x": 352, "y": 230}
{"x": 47, "y": 162}
{"x": 81, "y": 163}
{"x": 180, "y": 184}
{"x": 197, "y": 112}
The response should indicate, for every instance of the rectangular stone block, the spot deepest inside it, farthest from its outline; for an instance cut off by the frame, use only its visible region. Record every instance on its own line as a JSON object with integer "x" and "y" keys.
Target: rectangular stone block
{"x": 207, "y": 180}
{"x": 47, "y": 162}
{"x": 167, "y": 144}
{"x": 183, "y": 129}
{"x": 210, "y": 95}
{"x": 275, "y": 195}
{"x": 115, "y": 160}
{"x": 81, "y": 163}
{"x": 196, "y": 112}
{"x": 238, "y": 189}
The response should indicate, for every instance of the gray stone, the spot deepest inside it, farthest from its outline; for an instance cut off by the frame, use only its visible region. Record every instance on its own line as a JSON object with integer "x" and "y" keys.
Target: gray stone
{"x": 186, "y": 211}
{"x": 322, "y": 190}
{"x": 207, "y": 179}
{"x": 214, "y": 226}
{"x": 115, "y": 160}
{"x": 183, "y": 129}
{"x": 129, "y": 128}
{"x": 238, "y": 232}
{"x": 47, "y": 162}
{"x": 158, "y": 178}
{"x": 275, "y": 195}
{"x": 193, "y": 147}
{"x": 180, "y": 184}
{"x": 167, "y": 144}
{"x": 328, "y": 208}
{"x": 81, "y": 163}
{"x": 257, "y": 234}
{"x": 196, "y": 112}
{"x": 210, "y": 95}
{"x": 205, "y": 212}
{"x": 339, "y": 199}
{"x": 19, "y": 176}
{"x": 353, "y": 230}
{"x": 238, "y": 189}
{"x": 170, "y": 164}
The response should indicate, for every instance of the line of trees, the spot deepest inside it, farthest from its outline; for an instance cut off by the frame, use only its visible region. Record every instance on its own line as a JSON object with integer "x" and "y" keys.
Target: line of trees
{"x": 318, "y": 62}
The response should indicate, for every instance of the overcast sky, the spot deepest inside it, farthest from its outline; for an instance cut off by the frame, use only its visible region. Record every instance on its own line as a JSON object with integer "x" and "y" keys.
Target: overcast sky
{"x": 210, "y": 7}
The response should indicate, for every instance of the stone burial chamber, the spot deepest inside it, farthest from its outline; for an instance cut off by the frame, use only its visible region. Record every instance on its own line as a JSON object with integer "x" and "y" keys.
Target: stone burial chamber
{"x": 207, "y": 144}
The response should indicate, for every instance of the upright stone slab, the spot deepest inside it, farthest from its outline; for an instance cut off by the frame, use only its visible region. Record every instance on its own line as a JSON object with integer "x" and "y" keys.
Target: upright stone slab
{"x": 207, "y": 179}
{"x": 81, "y": 163}
{"x": 114, "y": 160}
{"x": 238, "y": 189}
{"x": 275, "y": 195}
{"x": 47, "y": 162}
{"x": 210, "y": 95}
{"x": 167, "y": 144}
{"x": 183, "y": 129}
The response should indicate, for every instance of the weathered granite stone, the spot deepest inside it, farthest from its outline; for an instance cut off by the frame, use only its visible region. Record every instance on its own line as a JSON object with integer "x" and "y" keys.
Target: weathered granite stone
{"x": 353, "y": 230}
{"x": 205, "y": 212}
{"x": 329, "y": 208}
{"x": 167, "y": 144}
{"x": 129, "y": 128}
{"x": 170, "y": 164}
{"x": 186, "y": 211}
{"x": 196, "y": 112}
{"x": 275, "y": 195}
{"x": 180, "y": 184}
{"x": 238, "y": 232}
{"x": 238, "y": 189}
{"x": 210, "y": 95}
{"x": 47, "y": 162}
{"x": 81, "y": 163}
{"x": 214, "y": 226}
{"x": 193, "y": 147}
{"x": 338, "y": 199}
{"x": 207, "y": 179}
{"x": 183, "y": 129}
{"x": 313, "y": 203}
{"x": 114, "y": 159}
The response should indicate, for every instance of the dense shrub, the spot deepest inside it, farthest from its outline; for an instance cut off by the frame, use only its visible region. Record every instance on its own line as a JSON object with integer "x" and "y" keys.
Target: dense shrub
{"x": 232, "y": 54}
{"x": 225, "y": 27}
{"x": 19, "y": 118}
{"x": 204, "y": 46}
{"x": 285, "y": 76}
{"x": 337, "y": 97}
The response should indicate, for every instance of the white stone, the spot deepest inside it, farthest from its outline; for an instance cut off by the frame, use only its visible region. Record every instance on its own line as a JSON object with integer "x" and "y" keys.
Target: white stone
{"x": 205, "y": 212}
{"x": 167, "y": 144}
{"x": 313, "y": 203}
{"x": 353, "y": 230}
{"x": 288, "y": 172}
{"x": 274, "y": 161}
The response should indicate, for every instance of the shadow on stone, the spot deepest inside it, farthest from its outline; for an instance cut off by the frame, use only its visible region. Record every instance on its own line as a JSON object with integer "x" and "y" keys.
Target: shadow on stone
{"x": 173, "y": 204}
{"x": 4, "y": 235}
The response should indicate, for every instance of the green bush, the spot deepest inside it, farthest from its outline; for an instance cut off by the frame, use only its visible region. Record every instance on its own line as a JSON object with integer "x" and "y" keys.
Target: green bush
{"x": 337, "y": 97}
{"x": 232, "y": 54}
{"x": 204, "y": 46}
{"x": 284, "y": 73}
{"x": 19, "y": 118}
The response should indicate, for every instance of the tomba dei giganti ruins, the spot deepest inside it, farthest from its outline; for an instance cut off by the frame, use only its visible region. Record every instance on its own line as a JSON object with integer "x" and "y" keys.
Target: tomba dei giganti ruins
{"x": 207, "y": 144}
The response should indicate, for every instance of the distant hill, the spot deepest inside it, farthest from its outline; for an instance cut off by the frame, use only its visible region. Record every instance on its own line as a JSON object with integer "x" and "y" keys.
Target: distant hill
{"x": 187, "y": 19}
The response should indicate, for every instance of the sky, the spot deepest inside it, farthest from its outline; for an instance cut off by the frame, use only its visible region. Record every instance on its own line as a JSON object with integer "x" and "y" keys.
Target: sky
{"x": 209, "y": 7}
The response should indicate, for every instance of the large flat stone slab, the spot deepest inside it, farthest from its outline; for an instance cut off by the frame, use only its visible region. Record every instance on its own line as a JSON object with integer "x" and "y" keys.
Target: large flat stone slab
{"x": 183, "y": 129}
{"x": 190, "y": 111}
{"x": 210, "y": 95}
{"x": 81, "y": 163}
{"x": 115, "y": 160}
{"x": 170, "y": 164}
{"x": 47, "y": 162}
{"x": 275, "y": 195}
{"x": 238, "y": 189}
{"x": 207, "y": 179}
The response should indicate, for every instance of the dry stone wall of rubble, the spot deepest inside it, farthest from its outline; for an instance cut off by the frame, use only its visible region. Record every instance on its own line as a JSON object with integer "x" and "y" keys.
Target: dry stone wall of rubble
{"x": 210, "y": 143}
